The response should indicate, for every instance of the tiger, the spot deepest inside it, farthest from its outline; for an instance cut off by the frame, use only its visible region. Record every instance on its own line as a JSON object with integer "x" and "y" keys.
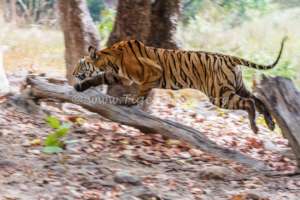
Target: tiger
{"x": 218, "y": 76}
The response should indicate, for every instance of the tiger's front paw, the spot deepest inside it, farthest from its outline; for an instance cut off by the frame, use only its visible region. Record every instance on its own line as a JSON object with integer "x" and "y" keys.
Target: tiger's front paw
{"x": 78, "y": 87}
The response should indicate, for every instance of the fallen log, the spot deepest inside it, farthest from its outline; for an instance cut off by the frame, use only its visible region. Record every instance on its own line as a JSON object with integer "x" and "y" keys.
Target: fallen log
{"x": 94, "y": 101}
{"x": 283, "y": 101}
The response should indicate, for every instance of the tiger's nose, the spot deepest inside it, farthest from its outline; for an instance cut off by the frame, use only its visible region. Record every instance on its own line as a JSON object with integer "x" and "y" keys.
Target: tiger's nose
{"x": 81, "y": 77}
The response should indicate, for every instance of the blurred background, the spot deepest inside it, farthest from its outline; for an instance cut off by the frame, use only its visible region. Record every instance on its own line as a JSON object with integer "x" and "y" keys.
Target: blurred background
{"x": 36, "y": 34}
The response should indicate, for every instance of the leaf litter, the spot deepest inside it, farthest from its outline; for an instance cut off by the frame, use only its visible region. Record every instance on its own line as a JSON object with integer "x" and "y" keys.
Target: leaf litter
{"x": 100, "y": 150}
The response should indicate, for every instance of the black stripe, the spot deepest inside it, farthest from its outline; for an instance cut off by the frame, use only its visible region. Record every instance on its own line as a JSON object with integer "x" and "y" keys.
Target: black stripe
{"x": 184, "y": 76}
{"x": 131, "y": 48}
{"x": 173, "y": 78}
{"x": 189, "y": 56}
{"x": 146, "y": 52}
{"x": 139, "y": 47}
{"x": 158, "y": 57}
{"x": 231, "y": 61}
{"x": 214, "y": 60}
{"x": 224, "y": 74}
{"x": 106, "y": 53}
{"x": 204, "y": 67}
{"x": 196, "y": 73}
{"x": 174, "y": 63}
{"x": 226, "y": 61}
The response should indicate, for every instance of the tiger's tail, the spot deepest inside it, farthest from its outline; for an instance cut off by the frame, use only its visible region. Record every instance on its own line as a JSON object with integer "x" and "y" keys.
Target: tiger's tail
{"x": 262, "y": 67}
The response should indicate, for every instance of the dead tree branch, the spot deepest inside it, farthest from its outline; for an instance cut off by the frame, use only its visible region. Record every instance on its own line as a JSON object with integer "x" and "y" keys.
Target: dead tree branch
{"x": 93, "y": 101}
{"x": 283, "y": 101}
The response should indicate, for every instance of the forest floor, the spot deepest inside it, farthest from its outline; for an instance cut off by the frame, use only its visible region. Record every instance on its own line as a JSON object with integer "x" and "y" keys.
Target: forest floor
{"x": 107, "y": 160}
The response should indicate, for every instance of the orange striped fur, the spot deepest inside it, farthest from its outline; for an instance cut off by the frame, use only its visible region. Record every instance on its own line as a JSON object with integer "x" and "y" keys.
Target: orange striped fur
{"x": 217, "y": 75}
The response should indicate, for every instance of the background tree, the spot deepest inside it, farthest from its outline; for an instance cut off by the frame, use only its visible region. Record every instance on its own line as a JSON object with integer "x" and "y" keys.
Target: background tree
{"x": 132, "y": 21}
{"x": 152, "y": 22}
{"x": 10, "y": 11}
{"x": 164, "y": 18}
{"x": 79, "y": 32}
{"x": 29, "y": 11}
{"x": 1, "y": 11}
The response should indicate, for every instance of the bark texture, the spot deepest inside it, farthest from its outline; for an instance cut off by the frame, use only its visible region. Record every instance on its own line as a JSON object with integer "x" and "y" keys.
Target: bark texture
{"x": 10, "y": 10}
{"x": 152, "y": 22}
{"x": 79, "y": 32}
{"x": 132, "y": 21}
{"x": 283, "y": 101}
{"x": 131, "y": 116}
{"x": 164, "y": 18}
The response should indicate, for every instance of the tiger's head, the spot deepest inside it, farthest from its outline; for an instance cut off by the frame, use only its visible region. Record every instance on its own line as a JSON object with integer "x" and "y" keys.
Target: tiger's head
{"x": 96, "y": 62}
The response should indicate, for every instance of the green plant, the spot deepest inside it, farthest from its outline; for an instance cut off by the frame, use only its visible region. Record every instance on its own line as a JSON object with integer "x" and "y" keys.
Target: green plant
{"x": 54, "y": 141}
{"x": 95, "y": 7}
{"x": 106, "y": 24}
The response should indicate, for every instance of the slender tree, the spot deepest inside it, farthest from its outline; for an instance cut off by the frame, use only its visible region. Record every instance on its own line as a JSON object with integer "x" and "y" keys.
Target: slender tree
{"x": 2, "y": 11}
{"x": 79, "y": 32}
{"x": 10, "y": 10}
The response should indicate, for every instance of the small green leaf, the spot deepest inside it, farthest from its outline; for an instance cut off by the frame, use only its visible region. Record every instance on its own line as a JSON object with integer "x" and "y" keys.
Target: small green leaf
{"x": 52, "y": 149}
{"x": 53, "y": 122}
{"x": 52, "y": 140}
{"x": 61, "y": 132}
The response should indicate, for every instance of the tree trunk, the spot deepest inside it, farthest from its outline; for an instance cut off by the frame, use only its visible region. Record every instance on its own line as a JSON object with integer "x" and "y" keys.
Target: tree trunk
{"x": 164, "y": 18}
{"x": 13, "y": 8}
{"x": 132, "y": 21}
{"x": 283, "y": 101}
{"x": 154, "y": 24}
{"x": 10, "y": 10}
{"x": 79, "y": 32}
{"x": 2, "y": 11}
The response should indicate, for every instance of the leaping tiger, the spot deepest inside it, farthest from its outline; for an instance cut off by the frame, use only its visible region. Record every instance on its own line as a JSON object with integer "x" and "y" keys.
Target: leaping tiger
{"x": 216, "y": 75}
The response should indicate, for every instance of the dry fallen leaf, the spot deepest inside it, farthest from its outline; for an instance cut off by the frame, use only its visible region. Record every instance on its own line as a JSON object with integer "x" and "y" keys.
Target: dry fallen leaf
{"x": 238, "y": 197}
{"x": 35, "y": 142}
{"x": 255, "y": 143}
{"x": 172, "y": 142}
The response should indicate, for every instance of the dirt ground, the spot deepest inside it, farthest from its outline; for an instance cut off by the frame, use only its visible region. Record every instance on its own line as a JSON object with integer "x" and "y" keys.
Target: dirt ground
{"x": 105, "y": 160}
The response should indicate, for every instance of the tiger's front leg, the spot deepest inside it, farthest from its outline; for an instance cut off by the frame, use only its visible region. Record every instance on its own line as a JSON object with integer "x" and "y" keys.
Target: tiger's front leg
{"x": 107, "y": 78}
{"x": 147, "y": 76}
{"x": 152, "y": 77}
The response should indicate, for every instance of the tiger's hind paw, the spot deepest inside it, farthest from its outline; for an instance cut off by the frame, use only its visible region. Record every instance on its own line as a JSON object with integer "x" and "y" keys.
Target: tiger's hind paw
{"x": 271, "y": 124}
{"x": 254, "y": 128}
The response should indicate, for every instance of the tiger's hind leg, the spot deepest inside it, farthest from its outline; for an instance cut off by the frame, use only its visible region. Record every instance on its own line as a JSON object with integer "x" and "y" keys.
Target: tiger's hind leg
{"x": 231, "y": 100}
{"x": 261, "y": 108}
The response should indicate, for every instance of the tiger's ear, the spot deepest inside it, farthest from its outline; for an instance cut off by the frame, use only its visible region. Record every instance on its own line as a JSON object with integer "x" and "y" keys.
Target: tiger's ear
{"x": 93, "y": 52}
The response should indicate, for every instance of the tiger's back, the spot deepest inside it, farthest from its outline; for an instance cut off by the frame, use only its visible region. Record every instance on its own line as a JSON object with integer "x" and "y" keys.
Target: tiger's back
{"x": 207, "y": 72}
